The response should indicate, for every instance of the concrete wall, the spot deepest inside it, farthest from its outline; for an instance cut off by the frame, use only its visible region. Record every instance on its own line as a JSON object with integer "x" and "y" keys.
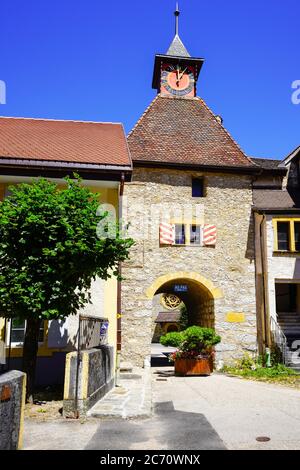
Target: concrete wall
{"x": 12, "y": 403}
{"x": 228, "y": 267}
{"x": 281, "y": 267}
{"x": 96, "y": 378}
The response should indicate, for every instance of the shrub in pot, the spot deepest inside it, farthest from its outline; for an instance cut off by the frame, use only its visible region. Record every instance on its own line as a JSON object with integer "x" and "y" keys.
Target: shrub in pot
{"x": 195, "y": 353}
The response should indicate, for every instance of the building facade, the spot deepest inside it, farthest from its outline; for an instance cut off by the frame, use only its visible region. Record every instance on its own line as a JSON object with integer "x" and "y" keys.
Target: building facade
{"x": 98, "y": 152}
{"x": 277, "y": 218}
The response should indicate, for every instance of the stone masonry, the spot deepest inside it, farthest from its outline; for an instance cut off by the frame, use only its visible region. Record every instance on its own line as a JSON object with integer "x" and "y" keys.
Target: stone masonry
{"x": 229, "y": 265}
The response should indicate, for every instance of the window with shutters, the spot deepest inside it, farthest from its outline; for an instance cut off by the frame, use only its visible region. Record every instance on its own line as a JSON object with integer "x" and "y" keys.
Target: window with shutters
{"x": 187, "y": 234}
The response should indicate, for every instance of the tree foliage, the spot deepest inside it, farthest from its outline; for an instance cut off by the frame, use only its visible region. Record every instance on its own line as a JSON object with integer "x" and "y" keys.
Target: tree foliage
{"x": 50, "y": 251}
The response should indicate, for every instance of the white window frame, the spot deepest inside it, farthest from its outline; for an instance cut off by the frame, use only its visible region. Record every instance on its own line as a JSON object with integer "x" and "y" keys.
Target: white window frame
{"x": 20, "y": 344}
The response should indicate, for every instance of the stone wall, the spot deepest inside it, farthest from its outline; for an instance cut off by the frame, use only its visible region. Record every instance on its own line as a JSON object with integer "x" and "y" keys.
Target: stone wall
{"x": 96, "y": 378}
{"x": 229, "y": 266}
{"x": 12, "y": 403}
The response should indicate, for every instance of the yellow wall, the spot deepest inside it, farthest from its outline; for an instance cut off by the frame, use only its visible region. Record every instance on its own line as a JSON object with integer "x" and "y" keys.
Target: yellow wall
{"x": 109, "y": 196}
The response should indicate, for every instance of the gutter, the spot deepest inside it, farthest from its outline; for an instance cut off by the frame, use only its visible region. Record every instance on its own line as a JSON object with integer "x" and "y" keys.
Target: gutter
{"x": 265, "y": 320}
{"x": 57, "y": 169}
{"x": 279, "y": 210}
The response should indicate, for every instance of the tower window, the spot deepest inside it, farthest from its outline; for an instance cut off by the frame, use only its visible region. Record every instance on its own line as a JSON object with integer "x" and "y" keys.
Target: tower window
{"x": 197, "y": 187}
{"x": 179, "y": 234}
{"x": 195, "y": 234}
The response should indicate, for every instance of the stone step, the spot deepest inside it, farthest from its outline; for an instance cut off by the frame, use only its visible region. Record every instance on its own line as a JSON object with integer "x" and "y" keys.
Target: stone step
{"x": 126, "y": 367}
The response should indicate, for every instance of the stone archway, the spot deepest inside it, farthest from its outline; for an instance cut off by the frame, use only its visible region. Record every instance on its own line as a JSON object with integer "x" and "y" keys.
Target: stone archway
{"x": 198, "y": 295}
{"x": 137, "y": 318}
{"x": 206, "y": 284}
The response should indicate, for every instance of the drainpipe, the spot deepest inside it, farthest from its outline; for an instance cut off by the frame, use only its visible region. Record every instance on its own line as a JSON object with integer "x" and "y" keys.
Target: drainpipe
{"x": 119, "y": 289}
{"x": 266, "y": 319}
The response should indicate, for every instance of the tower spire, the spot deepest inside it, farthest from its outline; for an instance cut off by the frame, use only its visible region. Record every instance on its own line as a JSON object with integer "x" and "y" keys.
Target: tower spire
{"x": 177, "y": 13}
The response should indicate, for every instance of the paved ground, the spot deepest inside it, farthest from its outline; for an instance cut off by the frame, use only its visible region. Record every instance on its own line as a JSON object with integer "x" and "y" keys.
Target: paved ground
{"x": 214, "y": 412}
{"x": 131, "y": 399}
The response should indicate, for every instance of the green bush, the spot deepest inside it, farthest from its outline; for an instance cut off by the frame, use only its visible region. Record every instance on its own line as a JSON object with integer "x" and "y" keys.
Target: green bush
{"x": 194, "y": 338}
{"x": 173, "y": 339}
{"x": 249, "y": 367}
{"x": 199, "y": 339}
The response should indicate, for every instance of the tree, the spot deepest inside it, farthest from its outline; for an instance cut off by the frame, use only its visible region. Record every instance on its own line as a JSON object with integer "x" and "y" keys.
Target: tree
{"x": 50, "y": 253}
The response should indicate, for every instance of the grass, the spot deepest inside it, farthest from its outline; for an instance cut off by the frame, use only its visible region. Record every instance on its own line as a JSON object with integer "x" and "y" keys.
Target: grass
{"x": 277, "y": 374}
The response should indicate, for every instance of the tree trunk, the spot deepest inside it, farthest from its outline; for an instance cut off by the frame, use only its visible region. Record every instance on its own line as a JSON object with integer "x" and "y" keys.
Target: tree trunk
{"x": 30, "y": 349}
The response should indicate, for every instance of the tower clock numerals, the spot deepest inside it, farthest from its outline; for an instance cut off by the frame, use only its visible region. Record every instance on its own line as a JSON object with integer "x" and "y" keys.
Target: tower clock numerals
{"x": 178, "y": 80}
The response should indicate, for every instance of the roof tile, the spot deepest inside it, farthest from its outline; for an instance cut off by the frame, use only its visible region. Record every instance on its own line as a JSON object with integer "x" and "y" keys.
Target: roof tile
{"x": 64, "y": 141}
{"x": 183, "y": 131}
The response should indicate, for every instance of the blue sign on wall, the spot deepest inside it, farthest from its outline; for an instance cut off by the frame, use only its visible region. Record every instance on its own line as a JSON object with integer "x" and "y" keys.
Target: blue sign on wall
{"x": 180, "y": 288}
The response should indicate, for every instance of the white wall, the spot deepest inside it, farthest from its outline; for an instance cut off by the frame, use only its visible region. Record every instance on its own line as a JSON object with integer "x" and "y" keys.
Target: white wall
{"x": 280, "y": 267}
{"x": 63, "y": 334}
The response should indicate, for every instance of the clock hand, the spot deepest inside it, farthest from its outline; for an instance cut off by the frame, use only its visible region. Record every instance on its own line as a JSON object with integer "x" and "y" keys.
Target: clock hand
{"x": 182, "y": 73}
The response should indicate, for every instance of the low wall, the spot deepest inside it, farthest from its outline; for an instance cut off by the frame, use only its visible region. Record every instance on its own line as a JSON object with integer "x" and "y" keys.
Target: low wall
{"x": 95, "y": 378}
{"x": 12, "y": 403}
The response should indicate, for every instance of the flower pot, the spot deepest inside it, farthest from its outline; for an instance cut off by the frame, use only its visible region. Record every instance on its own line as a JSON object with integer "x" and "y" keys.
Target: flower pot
{"x": 202, "y": 366}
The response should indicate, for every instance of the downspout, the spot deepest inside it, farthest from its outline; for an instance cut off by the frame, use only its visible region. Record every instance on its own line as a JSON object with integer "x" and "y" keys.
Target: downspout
{"x": 266, "y": 319}
{"x": 119, "y": 287}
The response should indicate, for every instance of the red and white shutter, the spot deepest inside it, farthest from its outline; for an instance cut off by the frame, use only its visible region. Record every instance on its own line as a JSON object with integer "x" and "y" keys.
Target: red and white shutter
{"x": 209, "y": 235}
{"x": 166, "y": 234}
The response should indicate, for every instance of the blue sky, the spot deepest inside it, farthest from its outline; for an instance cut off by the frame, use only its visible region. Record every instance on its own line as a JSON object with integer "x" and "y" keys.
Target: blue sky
{"x": 93, "y": 60}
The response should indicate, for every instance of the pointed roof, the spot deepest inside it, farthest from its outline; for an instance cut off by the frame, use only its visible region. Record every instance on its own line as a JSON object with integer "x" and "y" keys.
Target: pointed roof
{"x": 177, "y": 48}
{"x": 175, "y": 131}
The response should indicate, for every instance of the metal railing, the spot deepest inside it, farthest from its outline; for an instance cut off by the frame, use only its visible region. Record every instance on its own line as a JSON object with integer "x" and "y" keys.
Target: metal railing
{"x": 279, "y": 339}
{"x": 92, "y": 332}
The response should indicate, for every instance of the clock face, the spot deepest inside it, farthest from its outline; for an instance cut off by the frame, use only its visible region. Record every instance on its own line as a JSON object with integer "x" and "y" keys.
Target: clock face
{"x": 178, "y": 80}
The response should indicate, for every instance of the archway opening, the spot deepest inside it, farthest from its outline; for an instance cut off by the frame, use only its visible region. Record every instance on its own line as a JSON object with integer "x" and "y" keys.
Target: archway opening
{"x": 179, "y": 303}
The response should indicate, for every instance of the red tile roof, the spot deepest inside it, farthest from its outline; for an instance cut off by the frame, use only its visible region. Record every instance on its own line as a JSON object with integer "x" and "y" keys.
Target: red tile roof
{"x": 183, "y": 131}
{"x": 64, "y": 141}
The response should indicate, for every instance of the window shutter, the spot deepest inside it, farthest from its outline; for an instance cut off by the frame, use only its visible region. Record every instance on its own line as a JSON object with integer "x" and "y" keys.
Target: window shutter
{"x": 166, "y": 234}
{"x": 209, "y": 235}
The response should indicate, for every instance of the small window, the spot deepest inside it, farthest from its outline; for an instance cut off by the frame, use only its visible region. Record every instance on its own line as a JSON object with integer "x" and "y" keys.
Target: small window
{"x": 195, "y": 235}
{"x": 197, "y": 187}
{"x": 179, "y": 234}
{"x": 297, "y": 235}
{"x": 18, "y": 332}
{"x": 283, "y": 236}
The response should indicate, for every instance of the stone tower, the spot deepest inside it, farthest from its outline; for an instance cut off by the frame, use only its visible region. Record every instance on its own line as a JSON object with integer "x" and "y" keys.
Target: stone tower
{"x": 189, "y": 209}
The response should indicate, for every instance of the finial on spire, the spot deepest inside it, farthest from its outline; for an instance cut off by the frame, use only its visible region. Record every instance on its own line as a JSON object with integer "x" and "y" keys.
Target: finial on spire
{"x": 177, "y": 13}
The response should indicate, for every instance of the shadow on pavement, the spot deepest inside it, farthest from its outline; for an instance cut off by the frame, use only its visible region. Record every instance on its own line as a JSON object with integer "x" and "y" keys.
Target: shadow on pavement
{"x": 168, "y": 429}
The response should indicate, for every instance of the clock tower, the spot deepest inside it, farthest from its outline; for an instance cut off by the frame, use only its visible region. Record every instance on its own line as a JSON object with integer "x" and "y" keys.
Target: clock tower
{"x": 176, "y": 72}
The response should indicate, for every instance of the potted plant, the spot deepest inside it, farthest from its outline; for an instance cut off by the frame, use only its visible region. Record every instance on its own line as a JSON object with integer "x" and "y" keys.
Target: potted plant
{"x": 195, "y": 353}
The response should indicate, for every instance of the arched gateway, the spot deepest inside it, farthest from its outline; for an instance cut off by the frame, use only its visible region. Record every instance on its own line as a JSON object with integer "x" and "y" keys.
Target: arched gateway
{"x": 191, "y": 290}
